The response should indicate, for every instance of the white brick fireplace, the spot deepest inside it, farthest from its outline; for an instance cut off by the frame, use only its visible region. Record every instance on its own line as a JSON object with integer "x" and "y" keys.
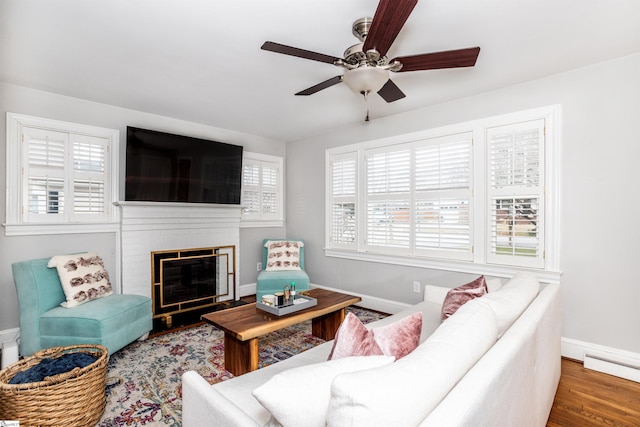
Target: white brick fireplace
{"x": 148, "y": 226}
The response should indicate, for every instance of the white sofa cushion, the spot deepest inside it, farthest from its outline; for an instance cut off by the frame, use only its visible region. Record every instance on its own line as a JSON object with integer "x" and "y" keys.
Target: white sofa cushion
{"x": 281, "y": 395}
{"x": 403, "y": 393}
{"x": 435, "y": 294}
{"x": 239, "y": 390}
{"x": 494, "y": 285}
{"x": 512, "y": 299}
{"x": 430, "y": 318}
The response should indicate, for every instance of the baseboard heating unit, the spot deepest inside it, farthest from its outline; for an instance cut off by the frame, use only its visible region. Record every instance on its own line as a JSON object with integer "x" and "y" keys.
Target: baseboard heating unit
{"x": 627, "y": 369}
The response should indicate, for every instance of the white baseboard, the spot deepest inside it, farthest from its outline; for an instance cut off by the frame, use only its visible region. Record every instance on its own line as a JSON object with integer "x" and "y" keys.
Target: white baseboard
{"x": 7, "y": 335}
{"x": 248, "y": 289}
{"x": 10, "y": 353}
{"x": 372, "y": 303}
{"x": 612, "y": 361}
{"x": 9, "y": 346}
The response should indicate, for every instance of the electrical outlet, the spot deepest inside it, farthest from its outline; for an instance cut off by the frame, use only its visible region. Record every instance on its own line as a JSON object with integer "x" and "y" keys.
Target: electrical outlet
{"x": 416, "y": 287}
{"x": 259, "y": 266}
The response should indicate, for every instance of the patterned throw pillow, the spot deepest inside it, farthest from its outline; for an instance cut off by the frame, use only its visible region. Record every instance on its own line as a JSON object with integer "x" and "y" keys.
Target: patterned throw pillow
{"x": 283, "y": 255}
{"x": 83, "y": 277}
{"x": 456, "y": 297}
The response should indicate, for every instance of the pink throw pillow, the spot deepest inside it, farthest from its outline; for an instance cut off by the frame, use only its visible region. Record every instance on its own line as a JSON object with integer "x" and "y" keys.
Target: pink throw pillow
{"x": 353, "y": 339}
{"x": 456, "y": 297}
{"x": 400, "y": 338}
{"x": 397, "y": 339}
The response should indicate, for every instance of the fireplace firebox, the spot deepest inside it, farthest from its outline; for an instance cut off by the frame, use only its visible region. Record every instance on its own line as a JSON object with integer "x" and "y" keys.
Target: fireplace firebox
{"x": 190, "y": 280}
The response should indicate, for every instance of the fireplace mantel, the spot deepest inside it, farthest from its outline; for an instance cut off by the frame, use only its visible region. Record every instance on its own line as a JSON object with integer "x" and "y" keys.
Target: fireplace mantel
{"x": 146, "y": 227}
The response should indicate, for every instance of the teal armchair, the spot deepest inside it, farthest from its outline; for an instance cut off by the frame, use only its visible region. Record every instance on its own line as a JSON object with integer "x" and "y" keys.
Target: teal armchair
{"x": 112, "y": 321}
{"x": 269, "y": 282}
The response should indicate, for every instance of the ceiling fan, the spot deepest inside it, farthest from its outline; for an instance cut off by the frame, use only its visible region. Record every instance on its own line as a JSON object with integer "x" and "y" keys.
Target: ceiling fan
{"x": 367, "y": 66}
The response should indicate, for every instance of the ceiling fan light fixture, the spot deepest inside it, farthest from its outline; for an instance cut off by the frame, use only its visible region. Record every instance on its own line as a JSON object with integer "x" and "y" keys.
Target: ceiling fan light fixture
{"x": 365, "y": 79}
{"x": 366, "y": 63}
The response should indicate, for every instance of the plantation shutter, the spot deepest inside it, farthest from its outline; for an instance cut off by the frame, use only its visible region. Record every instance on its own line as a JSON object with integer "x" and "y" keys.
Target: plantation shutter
{"x": 516, "y": 194}
{"x": 270, "y": 185}
{"x": 65, "y": 175}
{"x": 388, "y": 199}
{"x": 443, "y": 197}
{"x": 45, "y": 174}
{"x": 260, "y": 189}
{"x": 89, "y": 175}
{"x": 342, "y": 218}
{"x": 251, "y": 188}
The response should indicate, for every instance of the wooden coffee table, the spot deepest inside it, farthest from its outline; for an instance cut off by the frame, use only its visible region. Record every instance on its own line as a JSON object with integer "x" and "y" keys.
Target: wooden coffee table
{"x": 243, "y": 326}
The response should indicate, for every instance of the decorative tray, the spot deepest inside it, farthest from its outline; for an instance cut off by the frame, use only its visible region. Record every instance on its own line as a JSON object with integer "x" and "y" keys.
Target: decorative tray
{"x": 300, "y": 302}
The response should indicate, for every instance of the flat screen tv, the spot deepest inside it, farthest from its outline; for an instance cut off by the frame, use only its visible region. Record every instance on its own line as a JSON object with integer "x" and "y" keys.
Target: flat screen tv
{"x": 162, "y": 167}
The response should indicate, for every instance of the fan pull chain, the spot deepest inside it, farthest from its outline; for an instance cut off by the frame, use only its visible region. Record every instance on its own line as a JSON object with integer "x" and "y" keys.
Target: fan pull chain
{"x": 365, "y": 95}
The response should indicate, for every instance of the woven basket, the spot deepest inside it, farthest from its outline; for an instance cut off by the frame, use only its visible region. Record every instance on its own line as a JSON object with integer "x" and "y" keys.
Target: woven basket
{"x": 74, "y": 398}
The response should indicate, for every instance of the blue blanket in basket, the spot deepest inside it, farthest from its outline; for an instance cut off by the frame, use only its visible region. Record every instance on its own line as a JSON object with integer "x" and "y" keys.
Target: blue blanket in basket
{"x": 53, "y": 366}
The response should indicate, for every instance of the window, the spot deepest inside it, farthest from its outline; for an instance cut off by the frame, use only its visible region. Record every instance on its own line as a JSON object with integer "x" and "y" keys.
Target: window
{"x": 442, "y": 197}
{"x": 473, "y": 197}
{"x": 387, "y": 206}
{"x": 515, "y": 194}
{"x": 417, "y": 198}
{"x": 261, "y": 190}
{"x": 60, "y": 176}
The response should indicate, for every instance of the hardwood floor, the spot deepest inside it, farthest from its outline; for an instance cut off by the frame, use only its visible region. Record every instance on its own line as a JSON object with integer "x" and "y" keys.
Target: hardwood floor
{"x": 587, "y": 398}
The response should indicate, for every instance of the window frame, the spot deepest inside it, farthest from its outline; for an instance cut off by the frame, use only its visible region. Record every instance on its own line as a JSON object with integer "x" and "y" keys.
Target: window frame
{"x": 480, "y": 263}
{"x": 17, "y": 221}
{"x": 276, "y": 220}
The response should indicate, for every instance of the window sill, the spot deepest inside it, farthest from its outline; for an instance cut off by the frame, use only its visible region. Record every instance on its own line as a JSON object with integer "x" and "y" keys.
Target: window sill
{"x": 448, "y": 265}
{"x": 261, "y": 224}
{"x": 45, "y": 229}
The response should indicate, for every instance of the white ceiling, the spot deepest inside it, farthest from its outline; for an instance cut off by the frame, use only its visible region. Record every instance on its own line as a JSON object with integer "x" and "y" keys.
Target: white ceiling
{"x": 200, "y": 60}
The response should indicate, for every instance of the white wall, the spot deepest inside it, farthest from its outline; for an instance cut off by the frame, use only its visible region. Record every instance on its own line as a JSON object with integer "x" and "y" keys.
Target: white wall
{"x": 600, "y": 207}
{"x": 22, "y": 100}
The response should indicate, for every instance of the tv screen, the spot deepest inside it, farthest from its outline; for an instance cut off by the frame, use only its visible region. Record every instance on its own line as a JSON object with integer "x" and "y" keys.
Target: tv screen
{"x": 162, "y": 167}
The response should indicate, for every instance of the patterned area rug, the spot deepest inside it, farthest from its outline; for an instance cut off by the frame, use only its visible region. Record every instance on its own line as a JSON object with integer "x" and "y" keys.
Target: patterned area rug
{"x": 144, "y": 385}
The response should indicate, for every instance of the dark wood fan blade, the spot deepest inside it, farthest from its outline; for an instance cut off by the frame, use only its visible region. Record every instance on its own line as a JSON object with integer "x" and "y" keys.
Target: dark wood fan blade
{"x": 390, "y": 92}
{"x": 300, "y": 53}
{"x": 317, "y": 88}
{"x": 387, "y": 22}
{"x": 433, "y": 61}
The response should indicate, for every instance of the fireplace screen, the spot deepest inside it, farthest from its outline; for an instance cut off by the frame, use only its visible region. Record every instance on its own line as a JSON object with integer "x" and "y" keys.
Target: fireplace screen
{"x": 188, "y": 279}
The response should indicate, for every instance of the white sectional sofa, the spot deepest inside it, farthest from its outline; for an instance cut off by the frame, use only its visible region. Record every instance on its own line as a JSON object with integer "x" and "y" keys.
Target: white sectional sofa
{"x": 495, "y": 362}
